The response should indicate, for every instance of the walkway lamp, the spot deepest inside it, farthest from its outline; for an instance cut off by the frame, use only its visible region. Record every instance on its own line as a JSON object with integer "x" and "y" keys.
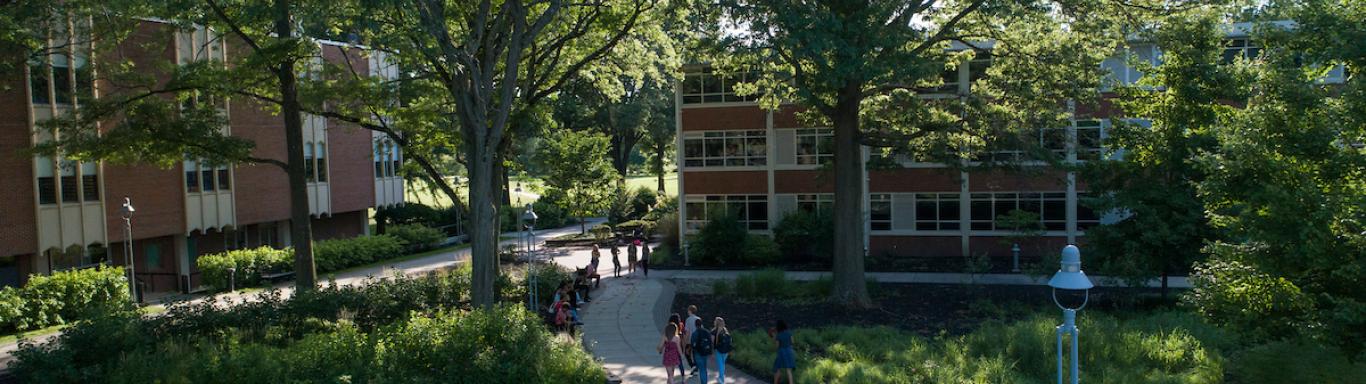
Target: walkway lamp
{"x": 529, "y": 218}
{"x": 1015, "y": 257}
{"x": 1070, "y": 278}
{"x": 127, "y": 213}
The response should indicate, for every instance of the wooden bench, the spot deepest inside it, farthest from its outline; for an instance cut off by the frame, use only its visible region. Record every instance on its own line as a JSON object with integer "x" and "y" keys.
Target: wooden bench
{"x": 271, "y": 277}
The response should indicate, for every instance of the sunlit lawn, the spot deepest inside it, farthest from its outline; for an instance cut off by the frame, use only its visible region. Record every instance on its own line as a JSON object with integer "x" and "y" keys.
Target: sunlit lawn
{"x": 530, "y": 186}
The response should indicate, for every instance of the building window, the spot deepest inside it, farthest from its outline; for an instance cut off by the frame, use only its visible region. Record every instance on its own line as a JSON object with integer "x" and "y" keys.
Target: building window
{"x": 750, "y": 210}
{"x": 815, "y": 145}
{"x": 90, "y": 187}
{"x": 191, "y": 176}
{"x": 709, "y": 87}
{"x": 977, "y": 67}
{"x": 70, "y": 185}
{"x": 152, "y": 255}
{"x": 818, "y": 203}
{"x": 880, "y": 211}
{"x": 987, "y": 208}
{"x": 395, "y": 159}
{"x": 61, "y": 80}
{"x": 1240, "y": 48}
{"x": 1090, "y": 134}
{"x": 936, "y": 211}
{"x": 224, "y": 180}
{"x": 1086, "y": 217}
{"x": 321, "y": 159}
{"x": 206, "y": 176}
{"x": 380, "y": 159}
{"x": 47, "y": 183}
{"x": 310, "y": 170}
{"x": 38, "y": 84}
{"x": 725, "y": 149}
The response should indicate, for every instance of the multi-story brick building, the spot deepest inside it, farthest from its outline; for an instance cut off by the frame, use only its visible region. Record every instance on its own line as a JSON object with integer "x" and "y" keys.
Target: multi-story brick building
{"x": 59, "y": 214}
{"x": 759, "y": 165}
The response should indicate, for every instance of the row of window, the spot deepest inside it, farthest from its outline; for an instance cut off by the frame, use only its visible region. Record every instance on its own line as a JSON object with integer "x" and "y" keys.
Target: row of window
{"x": 387, "y": 160}
{"x": 57, "y": 80}
{"x": 710, "y": 87}
{"x": 1090, "y": 143}
{"x": 77, "y": 182}
{"x": 202, "y": 176}
{"x": 811, "y": 146}
{"x": 931, "y": 212}
{"x": 315, "y": 162}
{"x": 750, "y": 210}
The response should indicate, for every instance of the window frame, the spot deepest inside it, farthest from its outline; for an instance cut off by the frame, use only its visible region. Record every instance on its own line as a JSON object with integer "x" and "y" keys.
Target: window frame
{"x": 744, "y": 158}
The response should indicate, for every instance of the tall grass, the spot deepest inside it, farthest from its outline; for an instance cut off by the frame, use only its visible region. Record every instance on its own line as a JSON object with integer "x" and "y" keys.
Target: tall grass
{"x": 1162, "y": 348}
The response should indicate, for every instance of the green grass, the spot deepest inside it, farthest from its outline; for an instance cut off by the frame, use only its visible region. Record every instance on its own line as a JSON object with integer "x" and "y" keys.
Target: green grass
{"x": 400, "y": 259}
{"x": 670, "y": 183}
{"x": 1167, "y": 347}
{"x": 14, "y": 337}
{"x": 530, "y": 184}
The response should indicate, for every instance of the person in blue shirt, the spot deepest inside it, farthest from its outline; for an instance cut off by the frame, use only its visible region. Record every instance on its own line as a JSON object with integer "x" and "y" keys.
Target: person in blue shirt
{"x": 787, "y": 359}
{"x": 701, "y": 349}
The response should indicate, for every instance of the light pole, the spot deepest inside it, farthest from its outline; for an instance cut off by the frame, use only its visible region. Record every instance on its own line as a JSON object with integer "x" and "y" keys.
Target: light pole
{"x": 127, "y": 213}
{"x": 1070, "y": 278}
{"x": 1015, "y": 258}
{"x": 530, "y": 217}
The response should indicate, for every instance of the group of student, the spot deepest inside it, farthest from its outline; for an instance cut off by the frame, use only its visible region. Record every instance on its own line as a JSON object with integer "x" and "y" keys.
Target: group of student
{"x": 703, "y": 343}
{"x": 570, "y": 295}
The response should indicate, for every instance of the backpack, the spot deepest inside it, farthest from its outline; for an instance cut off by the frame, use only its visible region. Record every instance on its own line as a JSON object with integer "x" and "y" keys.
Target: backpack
{"x": 702, "y": 342}
{"x": 723, "y": 342}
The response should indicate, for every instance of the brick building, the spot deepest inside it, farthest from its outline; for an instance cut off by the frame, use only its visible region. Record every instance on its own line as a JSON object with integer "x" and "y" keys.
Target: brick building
{"x": 59, "y": 214}
{"x": 760, "y": 165}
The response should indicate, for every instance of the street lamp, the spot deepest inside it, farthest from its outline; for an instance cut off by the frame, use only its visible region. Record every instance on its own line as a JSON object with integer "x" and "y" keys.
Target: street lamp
{"x": 518, "y": 190}
{"x": 1070, "y": 278}
{"x": 530, "y": 217}
{"x": 127, "y": 213}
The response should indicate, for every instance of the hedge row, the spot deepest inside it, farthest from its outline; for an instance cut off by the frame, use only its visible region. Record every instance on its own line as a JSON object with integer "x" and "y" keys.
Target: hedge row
{"x": 250, "y": 264}
{"x": 328, "y": 256}
{"x": 63, "y": 297}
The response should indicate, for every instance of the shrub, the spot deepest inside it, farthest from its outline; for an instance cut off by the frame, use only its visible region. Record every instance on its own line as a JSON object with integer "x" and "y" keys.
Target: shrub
{"x": 1236, "y": 294}
{"x": 806, "y": 237}
{"x": 63, "y": 297}
{"x": 665, "y": 205}
{"x": 1131, "y": 351}
{"x": 662, "y": 255}
{"x": 760, "y": 250}
{"x": 667, "y": 227}
{"x": 416, "y": 237}
{"x": 645, "y": 227}
{"x": 720, "y": 242}
{"x": 642, "y": 201}
{"x": 338, "y": 254}
{"x": 1296, "y": 361}
{"x": 250, "y": 264}
{"x": 410, "y": 213}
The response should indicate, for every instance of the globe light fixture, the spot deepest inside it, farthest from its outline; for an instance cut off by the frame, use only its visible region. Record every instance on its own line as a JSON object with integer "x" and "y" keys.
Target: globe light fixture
{"x": 1070, "y": 278}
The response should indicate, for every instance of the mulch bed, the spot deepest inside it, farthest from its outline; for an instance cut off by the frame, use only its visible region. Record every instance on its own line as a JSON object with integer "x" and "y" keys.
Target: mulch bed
{"x": 926, "y": 309}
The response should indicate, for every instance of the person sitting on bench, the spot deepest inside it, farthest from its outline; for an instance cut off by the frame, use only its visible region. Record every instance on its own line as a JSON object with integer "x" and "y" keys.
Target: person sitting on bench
{"x": 581, "y": 286}
{"x": 592, "y": 268}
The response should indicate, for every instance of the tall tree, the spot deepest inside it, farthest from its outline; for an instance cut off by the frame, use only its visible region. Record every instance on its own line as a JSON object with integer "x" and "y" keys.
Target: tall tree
{"x": 1153, "y": 180}
{"x": 494, "y": 61}
{"x": 575, "y": 165}
{"x": 1287, "y": 183}
{"x": 860, "y": 67}
{"x": 629, "y": 114}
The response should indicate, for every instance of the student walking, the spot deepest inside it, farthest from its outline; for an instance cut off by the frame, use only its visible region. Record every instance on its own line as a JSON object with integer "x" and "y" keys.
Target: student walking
{"x": 631, "y": 258}
{"x": 692, "y": 323}
{"x": 722, "y": 345}
{"x": 645, "y": 258}
{"x": 701, "y": 343}
{"x": 787, "y": 359}
{"x": 677, "y": 322}
{"x": 616, "y": 261}
{"x": 669, "y": 347}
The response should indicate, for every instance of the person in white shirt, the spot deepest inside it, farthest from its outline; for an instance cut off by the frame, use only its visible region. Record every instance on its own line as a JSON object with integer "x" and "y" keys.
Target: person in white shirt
{"x": 692, "y": 319}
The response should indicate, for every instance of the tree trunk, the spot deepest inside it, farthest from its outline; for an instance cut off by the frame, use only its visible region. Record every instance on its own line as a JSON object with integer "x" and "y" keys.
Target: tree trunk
{"x": 849, "y": 286}
{"x": 621, "y": 157}
{"x": 483, "y": 227}
{"x": 300, "y": 225}
{"x": 583, "y": 226}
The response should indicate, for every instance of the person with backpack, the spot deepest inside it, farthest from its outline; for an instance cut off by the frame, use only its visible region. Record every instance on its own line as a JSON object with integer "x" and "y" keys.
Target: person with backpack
{"x": 701, "y": 350}
{"x": 722, "y": 344}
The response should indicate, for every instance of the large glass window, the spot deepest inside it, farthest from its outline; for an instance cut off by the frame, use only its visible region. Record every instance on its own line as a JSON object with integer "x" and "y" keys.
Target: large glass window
{"x": 816, "y": 203}
{"x": 1089, "y": 137}
{"x": 321, "y": 159}
{"x": 750, "y": 210}
{"x": 47, "y": 183}
{"x": 224, "y": 179}
{"x": 711, "y": 87}
{"x": 38, "y": 84}
{"x": 191, "y": 176}
{"x": 936, "y": 211}
{"x": 880, "y": 211}
{"x": 1240, "y": 48}
{"x": 70, "y": 189}
{"x": 815, "y": 145}
{"x": 61, "y": 79}
{"x": 309, "y": 169}
{"x": 725, "y": 149}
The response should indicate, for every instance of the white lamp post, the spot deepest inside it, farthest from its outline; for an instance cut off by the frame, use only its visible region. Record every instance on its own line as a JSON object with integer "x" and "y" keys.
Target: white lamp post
{"x": 127, "y": 213}
{"x": 1071, "y": 278}
{"x": 530, "y": 217}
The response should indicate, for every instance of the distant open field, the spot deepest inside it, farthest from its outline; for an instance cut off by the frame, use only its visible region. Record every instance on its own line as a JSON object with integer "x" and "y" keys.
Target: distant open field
{"x": 438, "y": 199}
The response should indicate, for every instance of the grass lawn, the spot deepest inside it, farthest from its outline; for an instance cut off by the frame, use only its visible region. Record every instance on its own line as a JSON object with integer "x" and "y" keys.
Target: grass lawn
{"x": 404, "y": 258}
{"x": 530, "y": 184}
{"x": 12, "y": 338}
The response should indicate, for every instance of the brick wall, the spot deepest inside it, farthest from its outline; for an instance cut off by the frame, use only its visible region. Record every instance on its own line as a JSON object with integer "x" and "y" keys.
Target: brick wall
{"x": 914, "y": 180}
{"x": 339, "y": 225}
{"x": 803, "y": 181}
{"x": 722, "y": 118}
{"x": 725, "y": 182}
{"x": 18, "y": 233}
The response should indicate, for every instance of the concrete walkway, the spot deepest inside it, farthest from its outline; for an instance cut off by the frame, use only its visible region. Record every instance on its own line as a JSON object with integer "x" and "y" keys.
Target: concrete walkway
{"x": 913, "y": 277}
{"x": 624, "y": 322}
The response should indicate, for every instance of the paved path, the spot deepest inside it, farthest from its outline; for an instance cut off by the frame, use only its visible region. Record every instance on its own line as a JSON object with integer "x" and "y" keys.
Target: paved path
{"x": 911, "y": 277}
{"x": 623, "y": 324}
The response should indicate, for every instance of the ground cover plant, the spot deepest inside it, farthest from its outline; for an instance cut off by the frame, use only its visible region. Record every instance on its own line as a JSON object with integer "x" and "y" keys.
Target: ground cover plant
{"x": 397, "y": 329}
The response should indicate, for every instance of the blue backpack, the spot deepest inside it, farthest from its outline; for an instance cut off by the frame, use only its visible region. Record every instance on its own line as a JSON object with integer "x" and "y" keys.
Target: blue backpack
{"x": 701, "y": 342}
{"x": 723, "y": 343}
